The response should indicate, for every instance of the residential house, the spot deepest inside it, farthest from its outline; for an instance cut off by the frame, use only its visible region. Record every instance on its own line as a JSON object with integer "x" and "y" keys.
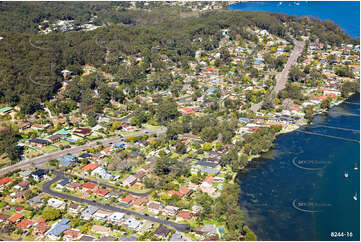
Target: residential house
{"x": 74, "y": 208}
{"x": 116, "y": 217}
{"x": 72, "y": 234}
{"x": 4, "y": 181}
{"x": 88, "y": 187}
{"x": 178, "y": 237}
{"x": 129, "y": 181}
{"x": 176, "y": 193}
{"x": 39, "y": 174}
{"x": 184, "y": 214}
{"x": 82, "y": 132}
{"x": 62, "y": 183}
{"x": 87, "y": 238}
{"x": 90, "y": 167}
{"x": 88, "y": 212}
{"x": 98, "y": 229}
{"x": 54, "y": 138}
{"x": 128, "y": 199}
{"x": 101, "y": 192}
{"x": 155, "y": 207}
{"x": 39, "y": 142}
{"x": 101, "y": 215}
{"x": 36, "y": 201}
{"x": 56, "y": 203}
{"x": 15, "y": 218}
{"x": 4, "y": 217}
{"x": 170, "y": 210}
{"x": 162, "y": 232}
{"x": 140, "y": 175}
{"x": 185, "y": 190}
{"x": 58, "y": 229}
{"x": 132, "y": 223}
{"x": 73, "y": 186}
{"x": 25, "y": 224}
{"x": 5, "y": 110}
{"x": 100, "y": 171}
{"x": 140, "y": 201}
{"x": 40, "y": 227}
{"x": 208, "y": 229}
{"x": 24, "y": 125}
{"x": 23, "y": 185}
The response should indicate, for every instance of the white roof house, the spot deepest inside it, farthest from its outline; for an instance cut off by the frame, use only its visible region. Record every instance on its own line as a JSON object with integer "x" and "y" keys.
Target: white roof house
{"x": 55, "y": 203}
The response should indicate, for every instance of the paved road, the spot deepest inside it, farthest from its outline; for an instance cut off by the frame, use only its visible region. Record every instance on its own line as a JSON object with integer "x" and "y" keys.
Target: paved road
{"x": 28, "y": 163}
{"x": 144, "y": 194}
{"x": 60, "y": 176}
{"x": 282, "y": 77}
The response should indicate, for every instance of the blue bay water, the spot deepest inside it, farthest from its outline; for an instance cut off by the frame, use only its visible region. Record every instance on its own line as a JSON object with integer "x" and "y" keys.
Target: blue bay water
{"x": 286, "y": 200}
{"x": 346, "y": 13}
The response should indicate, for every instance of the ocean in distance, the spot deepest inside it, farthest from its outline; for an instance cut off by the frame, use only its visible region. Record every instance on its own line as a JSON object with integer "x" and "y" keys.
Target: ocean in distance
{"x": 298, "y": 190}
{"x": 344, "y": 13}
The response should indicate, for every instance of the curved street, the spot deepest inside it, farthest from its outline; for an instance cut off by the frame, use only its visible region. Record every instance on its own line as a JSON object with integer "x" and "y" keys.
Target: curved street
{"x": 59, "y": 176}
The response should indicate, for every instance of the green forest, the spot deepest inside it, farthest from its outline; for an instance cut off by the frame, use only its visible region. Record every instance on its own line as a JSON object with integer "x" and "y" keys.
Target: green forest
{"x": 32, "y": 63}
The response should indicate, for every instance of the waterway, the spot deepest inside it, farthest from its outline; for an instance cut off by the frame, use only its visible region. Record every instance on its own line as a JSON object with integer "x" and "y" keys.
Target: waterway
{"x": 298, "y": 191}
{"x": 344, "y": 13}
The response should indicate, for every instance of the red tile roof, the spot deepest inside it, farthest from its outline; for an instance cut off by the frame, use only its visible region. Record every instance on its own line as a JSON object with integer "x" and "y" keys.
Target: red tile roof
{"x": 25, "y": 223}
{"x": 172, "y": 192}
{"x": 91, "y": 166}
{"x": 101, "y": 192}
{"x": 129, "y": 199}
{"x": 184, "y": 214}
{"x": 15, "y": 217}
{"x": 89, "y": 185}
{"x": 5, "y": 180}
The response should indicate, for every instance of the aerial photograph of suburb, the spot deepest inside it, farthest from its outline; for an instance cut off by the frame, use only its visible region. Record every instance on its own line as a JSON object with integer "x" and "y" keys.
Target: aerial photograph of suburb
{"x": 180, "y": 120}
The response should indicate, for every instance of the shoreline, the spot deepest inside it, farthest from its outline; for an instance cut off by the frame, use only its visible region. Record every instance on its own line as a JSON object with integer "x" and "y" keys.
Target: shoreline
{"x": 292, "y": 128}
{"x": 241, "y": 172}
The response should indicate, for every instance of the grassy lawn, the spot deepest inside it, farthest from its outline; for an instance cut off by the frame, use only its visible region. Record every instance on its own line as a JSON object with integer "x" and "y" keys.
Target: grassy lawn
{"x": 31, "y": 153}
{"x": 11, "y": 237}
{"x": 151, "y": 127}
{"x": 49, "y": 148}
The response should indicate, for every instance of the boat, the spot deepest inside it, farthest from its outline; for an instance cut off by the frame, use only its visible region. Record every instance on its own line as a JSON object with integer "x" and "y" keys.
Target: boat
{"x": 355, "y": 197}
{"x": 346, "y": 174}
{"x": 356, "y": 168}
{"x": 298, "y": 4}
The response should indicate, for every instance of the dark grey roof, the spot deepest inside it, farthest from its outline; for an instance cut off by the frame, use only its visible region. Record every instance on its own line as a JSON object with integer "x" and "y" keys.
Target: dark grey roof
{"x": 206, "y": 163}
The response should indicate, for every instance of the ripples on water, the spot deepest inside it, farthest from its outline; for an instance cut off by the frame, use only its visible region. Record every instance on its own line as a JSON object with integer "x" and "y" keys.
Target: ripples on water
{"x": 272, "y": 183}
